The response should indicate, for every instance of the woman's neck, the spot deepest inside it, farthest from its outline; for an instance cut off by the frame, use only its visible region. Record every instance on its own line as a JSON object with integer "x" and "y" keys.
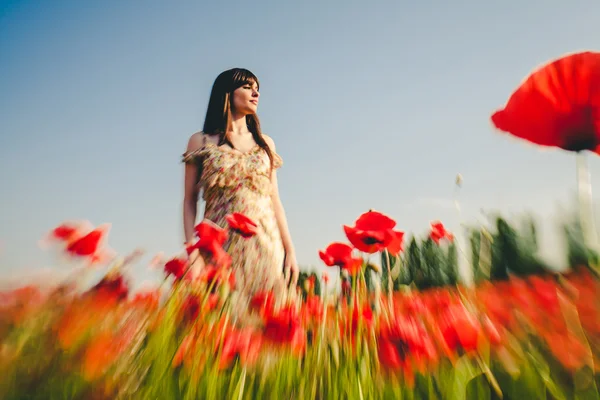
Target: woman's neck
{"x": 239, "y": 127}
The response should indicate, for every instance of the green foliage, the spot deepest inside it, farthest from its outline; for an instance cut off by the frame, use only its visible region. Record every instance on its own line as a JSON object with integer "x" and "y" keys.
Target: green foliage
{"x": 504, "y": 250}
{"x": 432, "y": 264}
{"x": 158, "y": 354}
{"x": 369, "y": 280}
{"x": 429, "y": 265}
{"x": 452, "y": 264}
{"x": 515, "y": 251}
{"x": 302, "y": 282}
{"x": 317, "y": 284}
{"x": 415, "y": 265}
{"x": 577, "y": 252}
{"x": 391, "y": 267}
{"x": 403, "y": 277}
{"x": 496, "y": 255}
{"x": 475, "y": 240}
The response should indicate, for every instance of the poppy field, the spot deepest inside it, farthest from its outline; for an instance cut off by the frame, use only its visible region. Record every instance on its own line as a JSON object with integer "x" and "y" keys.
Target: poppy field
{"x": 519, "y": 332}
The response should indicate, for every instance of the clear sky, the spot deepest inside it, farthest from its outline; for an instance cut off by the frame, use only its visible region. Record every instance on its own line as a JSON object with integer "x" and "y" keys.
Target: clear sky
{"x": 371, "y": 105}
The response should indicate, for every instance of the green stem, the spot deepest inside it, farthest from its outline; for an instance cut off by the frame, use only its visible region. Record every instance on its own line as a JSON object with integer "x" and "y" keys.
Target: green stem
{"x": 390, "y": 283}
{"x": 240, "y": 385}
{"x": 586, "y": 213}
{"x": 490, "y": 376}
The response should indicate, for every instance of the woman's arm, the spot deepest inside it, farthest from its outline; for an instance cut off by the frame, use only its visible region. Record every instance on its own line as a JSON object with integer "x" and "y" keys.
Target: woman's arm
{"x": 286, "y": 238}
{"x": 191, "y": 188}
{"x": 290, "y": 251}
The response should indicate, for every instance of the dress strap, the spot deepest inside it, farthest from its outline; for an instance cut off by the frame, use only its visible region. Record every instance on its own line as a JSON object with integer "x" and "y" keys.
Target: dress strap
{"x": 194, "y": 156}
{"x": 277, "y": 160}
{"x": 191, "y": 157}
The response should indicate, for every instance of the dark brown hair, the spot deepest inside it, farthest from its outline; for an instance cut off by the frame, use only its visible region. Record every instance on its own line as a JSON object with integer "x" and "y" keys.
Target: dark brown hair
{"x": 218, "y": 113}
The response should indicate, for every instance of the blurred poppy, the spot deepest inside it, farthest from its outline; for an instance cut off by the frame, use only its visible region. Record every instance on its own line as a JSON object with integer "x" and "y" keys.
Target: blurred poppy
{"x": 396, "y": 245}
{"x": 340, "y": 254}
{"x": 211, "y": 238}
{"x": 439, "y": 232}
{"x": 241, "y": 224}
{"x": 372, "y": 232}
{"x": 558, "y": 105}
{"x": 176, "y": 267}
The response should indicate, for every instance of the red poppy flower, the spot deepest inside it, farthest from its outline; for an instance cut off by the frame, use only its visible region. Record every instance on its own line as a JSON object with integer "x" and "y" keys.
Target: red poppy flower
{"x": 372, "y": 232}
{"x": 336, "y": 254}
{"x": 557, "y": 105}
{"x": 439, "y": 232}
{"x": 368, "y": 241}
{"x": 353, "y": 265}
{"x": 402, "y": 338}
{"x": 414, "y": 305}
{"x": 263, "y": 302}
{"x": 190, "y": 309}
{"x": 496, "y": 302}
{"x": 340, "y": 254}
{"x": 459, "y": 327}
{"x": 313, "y": 308}
{"x": 545, "y": 293}
{"x": 245, "y": 344}
{"x": 113, "y": 286}
{"x": 65, "y": 232}
{"x": 89, "y": 244}
{"x": 285, "y": 328}
{"x": 209, "y": 232}
{"x": 211, "y": 239}
{"x": 374, "y": 220}
{"x": 363, "y": 314}
{"x": 241, "y": 224}
{"x": 396, "y": 245}
{"x": 568, "y": 349}
{"x": 176, "y": 267}
{"x": 391, "y": 355}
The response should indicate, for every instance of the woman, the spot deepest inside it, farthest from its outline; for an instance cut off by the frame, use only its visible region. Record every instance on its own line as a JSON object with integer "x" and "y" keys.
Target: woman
{"x": 235, "y": 165}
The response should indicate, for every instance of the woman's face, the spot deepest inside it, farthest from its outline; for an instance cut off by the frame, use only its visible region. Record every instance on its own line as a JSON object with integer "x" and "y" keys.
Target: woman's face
{"x": 245, "y": 99}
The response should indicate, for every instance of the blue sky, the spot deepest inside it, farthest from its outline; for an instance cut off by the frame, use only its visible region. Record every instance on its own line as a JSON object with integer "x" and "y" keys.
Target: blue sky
{"x": 371, "y": 105}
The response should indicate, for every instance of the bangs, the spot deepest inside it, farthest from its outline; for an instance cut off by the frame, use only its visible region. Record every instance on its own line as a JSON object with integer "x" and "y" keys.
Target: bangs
{"x": 243, "y": 77}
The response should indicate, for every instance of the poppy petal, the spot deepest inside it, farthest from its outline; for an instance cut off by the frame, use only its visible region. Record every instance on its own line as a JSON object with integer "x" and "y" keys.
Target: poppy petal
{"x": 557, "y": 105}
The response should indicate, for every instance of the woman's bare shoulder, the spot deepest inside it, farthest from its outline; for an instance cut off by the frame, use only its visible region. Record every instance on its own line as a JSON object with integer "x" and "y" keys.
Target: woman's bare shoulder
{"x": 200, "y": 139}
{"x": 269, "y": 141}
{"x": 196, "y": 141}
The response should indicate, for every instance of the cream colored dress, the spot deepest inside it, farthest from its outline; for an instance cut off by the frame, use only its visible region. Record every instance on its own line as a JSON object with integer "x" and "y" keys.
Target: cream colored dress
{"x": 234, "y": 181}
